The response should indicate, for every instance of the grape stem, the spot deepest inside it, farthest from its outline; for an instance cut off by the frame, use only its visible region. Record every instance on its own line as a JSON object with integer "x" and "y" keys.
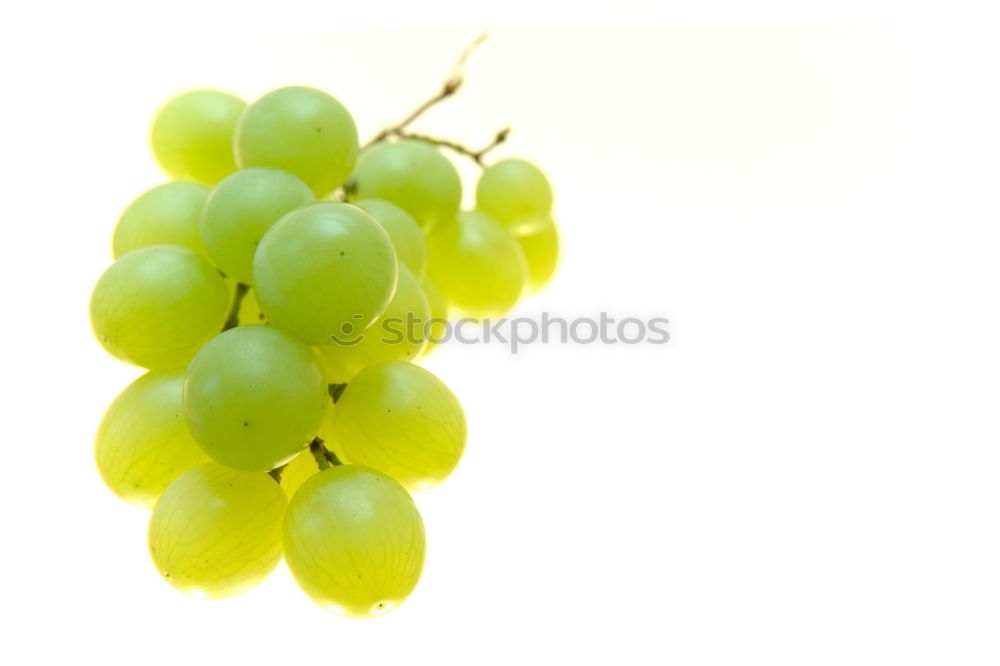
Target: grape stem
{"x": 451, "y": 85}
{"x": 476, "y": 155}
{"x": 323, "y": 456}
{"x": 276, "y": 473}
{"x": 233, "y": 320}
{"x": 336, "y": 390}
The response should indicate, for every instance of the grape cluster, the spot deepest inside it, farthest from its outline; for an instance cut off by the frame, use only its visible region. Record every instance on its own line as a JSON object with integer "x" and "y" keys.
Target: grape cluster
{"x": 258, "y": 432}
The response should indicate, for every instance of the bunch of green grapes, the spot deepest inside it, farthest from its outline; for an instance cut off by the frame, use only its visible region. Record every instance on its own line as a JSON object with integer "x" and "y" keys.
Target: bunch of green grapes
{"x": 275, "y": 417}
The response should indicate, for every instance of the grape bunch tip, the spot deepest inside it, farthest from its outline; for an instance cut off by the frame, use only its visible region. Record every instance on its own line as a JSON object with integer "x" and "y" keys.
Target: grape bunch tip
{"x": 241, "y": 286}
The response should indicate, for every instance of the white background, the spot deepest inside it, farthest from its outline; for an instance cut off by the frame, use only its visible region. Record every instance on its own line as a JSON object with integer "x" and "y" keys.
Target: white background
{"x": 808, "y": 472}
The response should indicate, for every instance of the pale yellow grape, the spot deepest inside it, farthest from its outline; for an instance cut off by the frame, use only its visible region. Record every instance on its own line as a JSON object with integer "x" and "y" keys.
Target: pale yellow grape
{"x": 168, "y": 213}
{"x": 303, "y": 131}
{"x": 402, "y": 420}
{"x": 143, "y": 442}
{"x": 157, "y": 305}
{"x": 324, "y": 269}
{"x": 437, "y": 327}
{"x": 249, "y": 313}
{"x": 515, "y": 193}
{"x": 397, "y": 335}
{"x": 216, "y": 532}
{"x": 478, "y": 266}
{"x": 241, "y": 208}
{"x": 354, "y": 540}
{"x": 403, "y": 231}
{"x": 254, "y": 397}
{"x": 297, "y": 471}
{"x": 192, "y": 135}
{"x": 414, "y": 176}
{"x": 541, "y": 251}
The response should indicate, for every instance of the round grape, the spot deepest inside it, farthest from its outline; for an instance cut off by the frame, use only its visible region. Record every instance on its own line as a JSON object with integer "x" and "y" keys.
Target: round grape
{"x": 157, "y": 305}
{"x": 403, "y": 231}
{"x": 216, "y": 532}
{"x": 515, "y": 193}
{"x": 166, "y": 214}
{"x": 253, "y": 397}
{"x": 192, "y": 135}
{"x": 478, "y": 266}
{"x": 354, "y": 540}
{"x": 402, "y": 420}
{"x": 324, "y": 269}
{"x": 414, "y": 176}
{"x": 303, "y": 131}
{"x": 541, "y": 251}
{"x": 143, "y": 442}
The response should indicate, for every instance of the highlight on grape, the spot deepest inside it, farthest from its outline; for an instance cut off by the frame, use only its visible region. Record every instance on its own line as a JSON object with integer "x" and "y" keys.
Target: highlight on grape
{"x": 253, "y": 436}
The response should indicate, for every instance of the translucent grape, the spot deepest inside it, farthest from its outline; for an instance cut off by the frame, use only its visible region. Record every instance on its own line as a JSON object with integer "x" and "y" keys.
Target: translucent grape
{"x": 241, "y": 208}
{"x": 253, "y": 397}
{"x": 303, "y": 131}
{"x": 354, "y": 540}
{"x": 541, "y": 251}
{"x": 397, "y": 335}
{"x": 249, "y": 313}
{"x": 403, "y": 231}
{"x": 515, "y": 193}
{"x": 168, "y": 213}
{"x": 437, "y": 325}
{"x": 400, "y": 419}
{"x": 414, "y": 176}
{"x": 324, "y": 269}
{"x": 157, "y": 305}
{"x": 143, "y": 443}
{"x": 297, "y": 471}
{"x": 478, "y": 266}
{"x": 216, "y": 532}
{"x": 192, "y": 135}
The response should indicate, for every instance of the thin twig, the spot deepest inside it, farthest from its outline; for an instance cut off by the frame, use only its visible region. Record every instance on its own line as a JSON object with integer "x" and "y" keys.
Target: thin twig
{"x": 451, "y": 85}
{"x": 318, "y": 452}
{"x": 336, "y": 390}
{"x": 233, "y": 320}
{"x": 276, "y": 473}
{"x": 475, "y": 155}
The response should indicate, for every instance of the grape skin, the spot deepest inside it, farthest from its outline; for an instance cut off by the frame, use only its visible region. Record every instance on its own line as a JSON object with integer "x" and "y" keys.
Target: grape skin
{"x": 404, "y": 232}
{"x": 253, "y": 397}
{"x": 402, "y": 420}
{"x": 216, "y": 532}
{"x": 478, "y": 266}
{"x": 439, "y": 311}
{"x": 414, "y": 176}
{"x": 354, "y": 540}
{"x": 541, "y": 251}
{"x": 515, "y": 193}
{"x": 303, "y": 131}
{"x": 166, "y": 214}
{"x": 156, "y": 305}
{"x": 192, "y": 135}
{"x": 143, "y": 442}
{"x": 241, "y": 209}
{"x": 409, "y": 303}
{"x": 324, "y": 269}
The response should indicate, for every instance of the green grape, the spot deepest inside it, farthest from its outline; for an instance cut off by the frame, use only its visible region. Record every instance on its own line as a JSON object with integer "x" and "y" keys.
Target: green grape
{"x": 298, "y": 469}
{"x": 479, "y": 267}
{"x": 303, "y": 131}
{"x": 397, "y": 335}
{"x": 541, "y": 251}
{"x": 414, "y": 176}
{"x": 166, "y": 214}
{"x": 403, "y": 231}
{"x": 157, "y": 305}
{"x": 324, "y": 269}
{"x": 437, "y": 327}
{"x": 354, "y": 540}
{"x": 400, "y": 419}
{"x": 216, "y": 532}
{"x": 143, "y": 443}
{"x": 241, "y": 208}
{"x": 253, "y": 397}
{"x": 192, "y": 135}
{"x": 516, "y": 194}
